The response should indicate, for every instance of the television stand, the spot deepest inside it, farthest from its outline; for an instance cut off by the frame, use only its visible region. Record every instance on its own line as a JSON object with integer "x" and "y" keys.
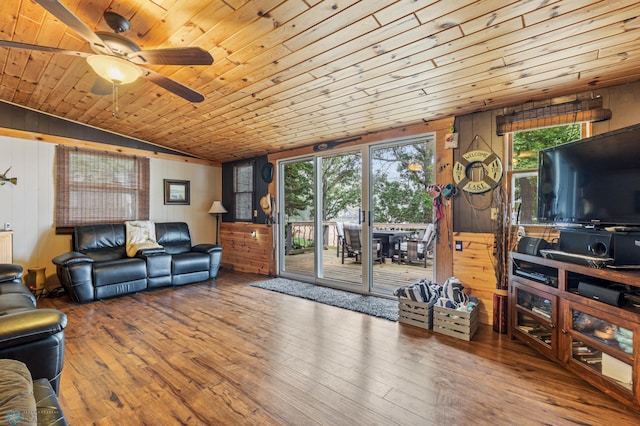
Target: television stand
{"x": 595, "y": 340}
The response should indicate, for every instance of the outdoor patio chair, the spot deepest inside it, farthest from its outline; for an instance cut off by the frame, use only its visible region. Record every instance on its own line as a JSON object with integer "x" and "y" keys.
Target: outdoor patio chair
{"x": 418, "y": 251}
{"x": 340, "y": 232}
{"x": 353, "y": 243}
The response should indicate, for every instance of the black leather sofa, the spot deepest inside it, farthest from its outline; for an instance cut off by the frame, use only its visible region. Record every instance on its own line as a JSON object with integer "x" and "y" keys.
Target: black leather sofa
{"x": 27, "y": 334}
{"x": 99, "y": 268}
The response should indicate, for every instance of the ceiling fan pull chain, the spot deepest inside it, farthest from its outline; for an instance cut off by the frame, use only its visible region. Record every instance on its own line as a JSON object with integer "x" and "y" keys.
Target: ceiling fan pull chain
{"x": 116, "y": 108}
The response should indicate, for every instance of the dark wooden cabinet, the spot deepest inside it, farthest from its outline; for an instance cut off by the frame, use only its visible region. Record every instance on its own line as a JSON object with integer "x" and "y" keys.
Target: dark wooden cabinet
{"x": 597, "y": 341}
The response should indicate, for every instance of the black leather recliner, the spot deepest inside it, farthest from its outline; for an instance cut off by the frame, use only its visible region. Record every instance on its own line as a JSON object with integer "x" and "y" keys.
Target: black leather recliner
{"x": 33, "y": 336}
{"x": 189, "y": 264}
{"x": 99, "y": 267}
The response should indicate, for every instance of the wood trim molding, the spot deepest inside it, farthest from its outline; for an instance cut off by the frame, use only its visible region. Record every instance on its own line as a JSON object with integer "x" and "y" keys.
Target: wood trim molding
{"x": 60, "y": 140}
{"x": 413, "y": 130}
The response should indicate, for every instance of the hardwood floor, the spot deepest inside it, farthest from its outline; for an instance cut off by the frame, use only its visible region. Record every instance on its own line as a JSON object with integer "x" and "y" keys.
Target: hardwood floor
{"x": 223, "y": 352}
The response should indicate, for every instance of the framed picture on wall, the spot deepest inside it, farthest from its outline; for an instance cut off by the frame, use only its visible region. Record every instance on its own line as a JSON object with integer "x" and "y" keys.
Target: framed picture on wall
{"x": 176, "y": 191}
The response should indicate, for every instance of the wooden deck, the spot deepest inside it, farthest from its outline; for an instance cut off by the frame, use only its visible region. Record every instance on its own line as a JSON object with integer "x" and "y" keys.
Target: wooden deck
{"x": 387, "y": 276}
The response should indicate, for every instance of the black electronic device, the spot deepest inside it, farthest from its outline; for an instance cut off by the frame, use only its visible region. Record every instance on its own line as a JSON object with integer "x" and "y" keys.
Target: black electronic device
{"x": 593, "y": 181}
{"x": 626, "y": 249}
{"x": 537, "y": 276}
{"x": 621, "y": 249}
{"x": 589, "y": 242}
{"x": 580, "y": 259}
{"x": 532, "y": 245}
{"x": 539, "y": 273}
{"x": 610, "y": 296}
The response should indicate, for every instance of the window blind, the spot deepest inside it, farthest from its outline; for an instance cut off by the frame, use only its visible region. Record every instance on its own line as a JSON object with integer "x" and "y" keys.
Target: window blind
{"x": 243, "y": 192}
{"x": 100, "y": 187}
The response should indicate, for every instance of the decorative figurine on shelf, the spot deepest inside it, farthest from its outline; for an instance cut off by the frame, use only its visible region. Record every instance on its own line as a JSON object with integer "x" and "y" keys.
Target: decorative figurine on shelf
{"x": 583, "y": 322}
{"x": 605, "y": 331}
{"x": 4, "y": 179}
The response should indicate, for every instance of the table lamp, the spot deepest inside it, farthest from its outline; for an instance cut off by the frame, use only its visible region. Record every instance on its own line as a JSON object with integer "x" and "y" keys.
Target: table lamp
{"x": 217, "y": 208}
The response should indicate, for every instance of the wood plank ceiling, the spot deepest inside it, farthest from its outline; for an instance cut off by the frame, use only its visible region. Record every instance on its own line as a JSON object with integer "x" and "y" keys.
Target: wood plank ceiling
{"x": 289, "y": 73}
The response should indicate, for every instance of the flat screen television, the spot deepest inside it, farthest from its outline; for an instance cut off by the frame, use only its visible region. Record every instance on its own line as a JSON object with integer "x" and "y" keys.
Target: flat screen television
{"x": 593, "y": 181}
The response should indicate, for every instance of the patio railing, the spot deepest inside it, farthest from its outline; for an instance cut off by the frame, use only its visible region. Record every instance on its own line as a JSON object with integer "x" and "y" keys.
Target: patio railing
{"x": 300, "y": 236}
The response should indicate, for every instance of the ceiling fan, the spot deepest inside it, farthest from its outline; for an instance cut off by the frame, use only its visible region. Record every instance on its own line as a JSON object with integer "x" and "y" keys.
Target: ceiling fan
{"x": 116, "y": 58}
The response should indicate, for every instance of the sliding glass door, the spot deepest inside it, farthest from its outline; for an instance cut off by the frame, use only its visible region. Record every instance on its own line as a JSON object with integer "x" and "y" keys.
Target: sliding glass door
{"x": 318, "y": 196}
{"x": 402, "y": 212}
{"x": 356, "y": 218}
{"x": 341, "y": 193}
{"x": 297, "y": 230}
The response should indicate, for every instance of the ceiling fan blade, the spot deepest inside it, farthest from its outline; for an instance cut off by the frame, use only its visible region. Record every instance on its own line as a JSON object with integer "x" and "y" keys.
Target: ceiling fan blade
{"x": 173, "y": 86}
{"x": 27, "y": 46}
{"x": 102, "y": 87}
{"x": 173, "y": 56}
{"x": 67, "y": 17}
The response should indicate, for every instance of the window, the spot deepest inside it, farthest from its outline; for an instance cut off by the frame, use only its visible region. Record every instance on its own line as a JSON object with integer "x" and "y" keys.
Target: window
{"x": 100, "y": 187}
{"x": 243, "y": 192}
{"x": 524, "y": 165}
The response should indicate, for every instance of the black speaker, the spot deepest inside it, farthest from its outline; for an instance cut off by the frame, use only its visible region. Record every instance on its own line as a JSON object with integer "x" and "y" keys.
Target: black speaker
{"x": 606, "y": 295}
{"x": 532, "y": 245}
{"x": 626, "y": 248}
{"x": 587, "y": 242}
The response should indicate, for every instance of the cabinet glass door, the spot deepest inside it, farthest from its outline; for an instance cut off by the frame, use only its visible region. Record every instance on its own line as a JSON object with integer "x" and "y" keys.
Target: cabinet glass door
{"x": 603, "y": 347}
{"x": 535, "y": 317}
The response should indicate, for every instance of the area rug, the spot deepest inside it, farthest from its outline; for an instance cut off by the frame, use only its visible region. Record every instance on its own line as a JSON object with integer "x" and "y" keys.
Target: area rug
{"x": 370, "y": 305}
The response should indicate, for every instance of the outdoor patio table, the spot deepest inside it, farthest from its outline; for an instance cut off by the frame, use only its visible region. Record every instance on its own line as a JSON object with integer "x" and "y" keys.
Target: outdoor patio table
{"x": 389, "y": 239}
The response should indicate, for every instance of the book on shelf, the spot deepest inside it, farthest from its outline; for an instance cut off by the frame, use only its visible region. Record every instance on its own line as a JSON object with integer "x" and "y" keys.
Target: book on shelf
{"x": 545, "y": 312}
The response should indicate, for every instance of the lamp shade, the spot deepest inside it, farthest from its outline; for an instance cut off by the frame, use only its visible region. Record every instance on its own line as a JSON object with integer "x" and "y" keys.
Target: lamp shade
{"x": 217, "y": 208}
{"x": 114, "y": 69}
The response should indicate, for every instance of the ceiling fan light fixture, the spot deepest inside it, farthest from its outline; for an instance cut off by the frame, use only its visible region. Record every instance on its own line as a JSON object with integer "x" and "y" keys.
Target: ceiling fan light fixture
{"x": 414, "y": 166}
{"x": 114, "y": 69}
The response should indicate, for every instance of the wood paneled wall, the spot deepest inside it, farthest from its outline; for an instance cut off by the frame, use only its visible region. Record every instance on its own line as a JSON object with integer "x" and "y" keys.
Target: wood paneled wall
{"x": 472, "y": 212}
{"x": 245, "y": 253}
{"x": 474, "y": 267}
{"x": 443, "y": 175}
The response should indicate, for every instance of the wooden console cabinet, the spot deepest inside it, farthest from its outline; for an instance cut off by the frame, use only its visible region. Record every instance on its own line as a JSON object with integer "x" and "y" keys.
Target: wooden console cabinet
{"x": 597, "y": 341}
{"x": 6, "y": 246}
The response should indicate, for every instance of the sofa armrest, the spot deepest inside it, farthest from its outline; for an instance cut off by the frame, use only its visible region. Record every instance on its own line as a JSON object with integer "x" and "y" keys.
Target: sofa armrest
{"x": 36, "y": 338}
{"x": 215, "y": 256}
{"x": 10, "y": 272}
{"x": 206, "y": 248}
{"x": 47, "y": 404}
{"x": 71, "y": 258}
{"x": 75, "y": 272}
{"x": 22, "y": 327}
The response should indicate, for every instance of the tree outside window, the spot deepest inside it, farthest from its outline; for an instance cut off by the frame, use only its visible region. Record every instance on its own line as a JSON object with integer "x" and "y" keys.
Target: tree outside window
{"x": 524, "y": 165}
